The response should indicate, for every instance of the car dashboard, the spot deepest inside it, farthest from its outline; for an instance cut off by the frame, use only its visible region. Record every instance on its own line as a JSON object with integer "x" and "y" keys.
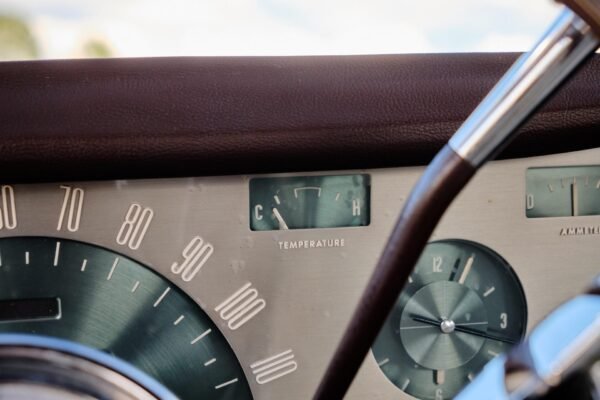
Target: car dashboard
{"x": 213, "y": 222}
{"x": 276, "y": 300}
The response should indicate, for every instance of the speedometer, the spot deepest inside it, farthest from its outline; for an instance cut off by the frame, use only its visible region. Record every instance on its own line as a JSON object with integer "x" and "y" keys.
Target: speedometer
{"x": 152, "y": 274}
{"x": 90, "y": 295}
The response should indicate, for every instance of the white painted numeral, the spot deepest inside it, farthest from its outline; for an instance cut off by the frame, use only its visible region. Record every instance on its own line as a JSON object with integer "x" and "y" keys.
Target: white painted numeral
{"x": 241, "y": 306}
{"x": 195, "y": 255}
{"x": 274, "y": 367}
{"x": 71, "y": 207}
{"x": 134, "y": 228}
{"x": 437, "y": 264}
{"x": 8, "y": 216}
{"x": 503, "y": 320}
{"x": 439, "y": 394}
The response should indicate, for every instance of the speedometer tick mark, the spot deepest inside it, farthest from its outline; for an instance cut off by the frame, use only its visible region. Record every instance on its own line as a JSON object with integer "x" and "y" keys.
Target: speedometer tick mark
{"x": 83, "y": 265}
{"x": 112, "y": 269}
{"x": 277, "y": 199}
{"x": 209, "y": 362}
{"x": 162, "y": 296}
{"x": 206, "y": 332}
{"x": 222, "y": 385}
{"x": 135, "y": 286}
{"x": 178, "y": 320}
{"x": 26, "y": 258}
{"x": 56, "y": 254}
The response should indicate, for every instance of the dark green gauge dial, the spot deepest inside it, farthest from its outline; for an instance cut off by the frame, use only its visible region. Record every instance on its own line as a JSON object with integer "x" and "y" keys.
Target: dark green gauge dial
{"x": 304, "y": 202}
{"x": 563, "y": 191}
{"x": 463, "y": 305}
{"x": 90, "y": 295}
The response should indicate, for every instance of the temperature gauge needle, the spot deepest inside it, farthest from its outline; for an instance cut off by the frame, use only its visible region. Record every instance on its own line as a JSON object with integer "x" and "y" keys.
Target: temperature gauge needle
{"x": 282, "y": 224}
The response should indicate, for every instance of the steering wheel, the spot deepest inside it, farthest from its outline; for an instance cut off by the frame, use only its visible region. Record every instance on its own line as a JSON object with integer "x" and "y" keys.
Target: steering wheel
{"x": 532, "y": 79}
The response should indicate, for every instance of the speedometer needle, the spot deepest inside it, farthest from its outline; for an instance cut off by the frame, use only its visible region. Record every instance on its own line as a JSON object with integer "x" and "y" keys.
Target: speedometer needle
{"x": 463, "y": 329}
{"x": 282, "y": 224}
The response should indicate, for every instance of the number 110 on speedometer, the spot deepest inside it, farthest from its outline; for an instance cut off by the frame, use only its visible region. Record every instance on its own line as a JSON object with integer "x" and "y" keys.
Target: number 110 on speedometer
{"x": 305, "y": 202}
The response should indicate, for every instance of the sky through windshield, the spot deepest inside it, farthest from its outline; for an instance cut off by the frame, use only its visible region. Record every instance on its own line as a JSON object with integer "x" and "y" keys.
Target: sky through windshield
{"x": 133, "y": 28}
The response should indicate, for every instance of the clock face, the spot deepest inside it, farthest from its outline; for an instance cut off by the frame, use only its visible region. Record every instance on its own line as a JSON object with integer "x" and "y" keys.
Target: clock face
{"x": 463, "y": 305}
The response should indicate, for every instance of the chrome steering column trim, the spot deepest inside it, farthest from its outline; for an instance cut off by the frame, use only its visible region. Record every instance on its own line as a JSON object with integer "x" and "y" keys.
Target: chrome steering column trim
{"x": 523, "y": 88}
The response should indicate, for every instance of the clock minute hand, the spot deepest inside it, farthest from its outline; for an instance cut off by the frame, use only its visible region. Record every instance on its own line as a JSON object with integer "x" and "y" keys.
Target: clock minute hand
{"x": 479, "y": 333}
{"x": 463, "y": 329}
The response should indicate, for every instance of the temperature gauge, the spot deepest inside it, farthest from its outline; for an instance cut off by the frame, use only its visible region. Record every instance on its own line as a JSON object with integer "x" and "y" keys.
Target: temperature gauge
{"x": 304, "y": 202}
{"x": 563, "y": 191}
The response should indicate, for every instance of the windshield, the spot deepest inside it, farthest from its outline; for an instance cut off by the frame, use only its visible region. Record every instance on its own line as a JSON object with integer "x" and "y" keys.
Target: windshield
{"x": 141, "y": 28}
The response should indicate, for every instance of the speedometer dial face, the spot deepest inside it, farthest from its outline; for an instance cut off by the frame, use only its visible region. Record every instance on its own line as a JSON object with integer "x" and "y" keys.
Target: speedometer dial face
{"x": 90, "y": 295}
{"x": 462, "y": 306}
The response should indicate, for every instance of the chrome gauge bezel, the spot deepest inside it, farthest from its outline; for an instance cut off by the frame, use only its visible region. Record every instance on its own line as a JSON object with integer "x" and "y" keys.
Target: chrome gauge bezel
{"x": 305, "y": 297}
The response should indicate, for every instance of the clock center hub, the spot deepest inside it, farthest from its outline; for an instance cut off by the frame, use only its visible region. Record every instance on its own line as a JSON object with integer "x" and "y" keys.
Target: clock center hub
{"x": 447, "y": 326}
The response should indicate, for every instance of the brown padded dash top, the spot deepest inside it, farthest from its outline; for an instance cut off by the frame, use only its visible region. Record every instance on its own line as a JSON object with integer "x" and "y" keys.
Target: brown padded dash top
{"x": 157, "y": 117}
